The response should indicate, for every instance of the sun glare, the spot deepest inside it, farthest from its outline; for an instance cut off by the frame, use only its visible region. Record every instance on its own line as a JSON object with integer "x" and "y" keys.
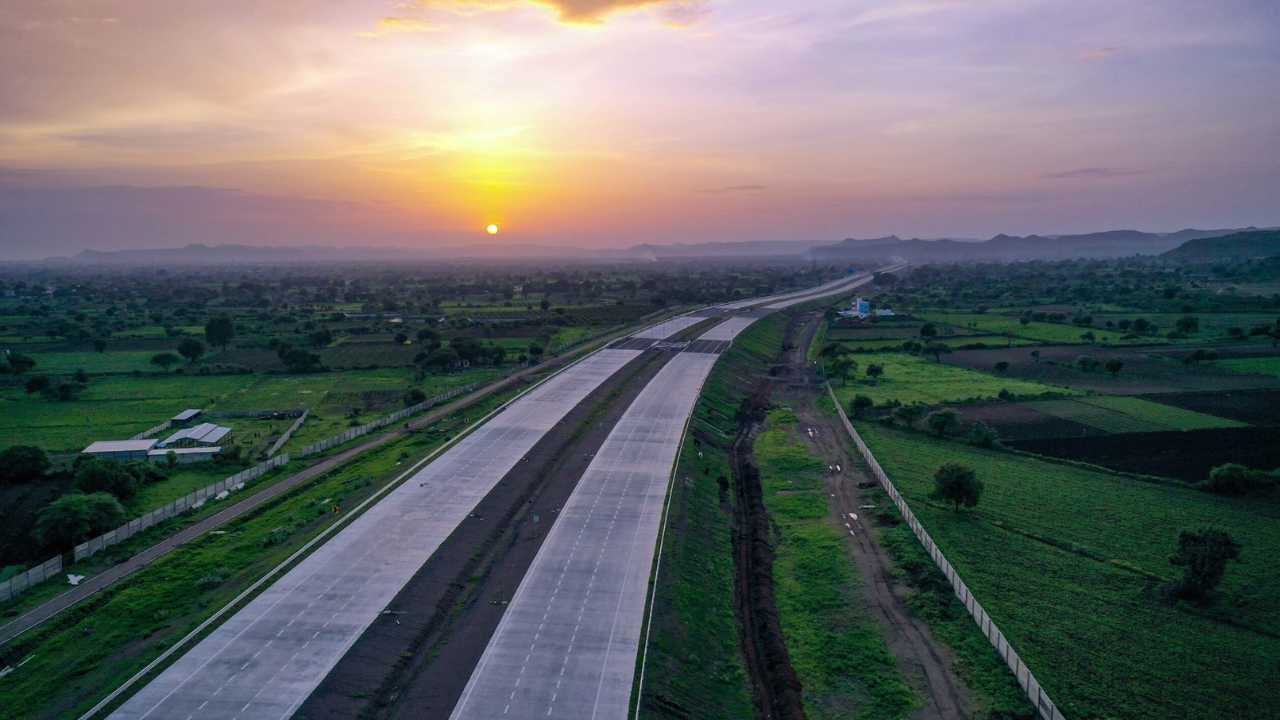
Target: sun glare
{"x": 493, "y": 229}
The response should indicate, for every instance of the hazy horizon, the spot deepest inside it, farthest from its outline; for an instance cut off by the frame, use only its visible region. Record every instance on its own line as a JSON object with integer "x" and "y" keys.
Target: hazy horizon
{"x": 607, "y": 123}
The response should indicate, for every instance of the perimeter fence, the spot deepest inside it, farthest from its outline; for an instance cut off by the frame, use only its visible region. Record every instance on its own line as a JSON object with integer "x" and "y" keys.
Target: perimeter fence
{"x": 1046, "y": 707}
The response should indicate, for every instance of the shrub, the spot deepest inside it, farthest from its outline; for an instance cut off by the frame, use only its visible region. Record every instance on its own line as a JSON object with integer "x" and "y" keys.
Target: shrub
{"x": 77, "y": 517}
{"x": 23, "y": 463}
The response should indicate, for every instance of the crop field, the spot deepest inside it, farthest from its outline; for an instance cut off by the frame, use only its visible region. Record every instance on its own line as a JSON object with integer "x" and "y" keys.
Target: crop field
{"x": 1188, "y": 455}
{"x": 837, "y": 647}
{"x": 113, "y": 407}
{"x": 1258, "y": 366}
{"x": 1038, "y": 331}
{"x": 1128, "y": 415}
{"x": 124, "y": 361}
{"x": 1018, "y": 421}
{"x": 1066, "y": 562}
{"x": 360, "y": 354}
{"x": 1255, "y": 407}
{"x": 910, "y": 379}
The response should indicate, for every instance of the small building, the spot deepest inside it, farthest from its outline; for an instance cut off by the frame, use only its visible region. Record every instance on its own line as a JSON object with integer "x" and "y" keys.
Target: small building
{"x": 202, "y": 435}
{"x": 122, "y": 450}
{"x": 884, "y": 313}
{"x": 185, "y": 455}
{"x": 188, "y": 414}
{"x": 861, "y": 308}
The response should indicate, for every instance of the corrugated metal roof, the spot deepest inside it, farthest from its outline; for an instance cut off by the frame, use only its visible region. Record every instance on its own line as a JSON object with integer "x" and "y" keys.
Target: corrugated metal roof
{"x": 187, "y": 451}
{"x": 187, "y": 414}
{"x": 205, "y": 433}
{"x": 105, "y": 446}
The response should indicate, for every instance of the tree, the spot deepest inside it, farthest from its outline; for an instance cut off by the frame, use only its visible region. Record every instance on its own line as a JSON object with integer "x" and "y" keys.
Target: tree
{"x": 442, "y": 358}
{"x": 829, "y": 314}
{"x": 191, "y": 349}
{"x": 841, "y": 367}
{"x": 1036, "y": 354}
{"x": 298, "y": 360}
{"x": 545, "y": 304}
{"x": 832, "y": 349}
{"x": 875, "y": 371}
{"x": 937, "y": 350}
{"x": 1086, "y": 363}
{"x": 1088, "y": 337}
{"x": 535, "y": 351}
{"x": 1188, "y": 324}
{"x": 940, "y": 421}
{"x": 77, "y": 517}
{"x": 321, "y": 337}
{"x": 908, "y": 414}
{"x": 1002, "y": 366}
{"x": 109, "y": 476}
{"x": 1203, "y": 554}
{"x": 983, "y": 435}
{"x": 99, "y": 345}
{"x": 428, "y": 335}
{"x": 957, "y": 484}
{"x": 1114, "y": 366}
{"x": 37, "y": 384}
{"x": 414, "y": 396}
{"x": 23, "y": 464}
{"x": 220, "y": 331}
{"x": 19, "y": 363}
{"x": 164, "y": 360}
{"x": 928, "y": 330}
{"x": 859, "y": 404}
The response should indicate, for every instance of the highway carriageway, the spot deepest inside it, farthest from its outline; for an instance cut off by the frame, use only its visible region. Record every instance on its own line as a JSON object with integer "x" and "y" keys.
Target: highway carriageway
{"x": 567, "y": 645}
{"x": 264, "y": 661}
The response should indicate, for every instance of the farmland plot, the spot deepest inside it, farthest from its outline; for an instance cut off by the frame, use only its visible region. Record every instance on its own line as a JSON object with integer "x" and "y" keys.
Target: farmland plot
{"x": 1065, "y": 561}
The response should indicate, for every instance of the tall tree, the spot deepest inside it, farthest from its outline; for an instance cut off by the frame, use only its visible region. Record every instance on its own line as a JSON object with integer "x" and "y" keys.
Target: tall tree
{"x": 957, "y": 484}
{"x": 220, "y": 331}
{"x": 23, "y": 463}
{"x": 191, "y": 349}
{"x": 1203, "y": 554}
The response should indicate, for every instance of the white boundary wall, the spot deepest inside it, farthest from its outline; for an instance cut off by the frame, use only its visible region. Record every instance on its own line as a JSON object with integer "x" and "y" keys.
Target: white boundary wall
{"x": 175, "y": 508}
{"x": 289, "y": 433}
{"x": 34, "y": 576}
{"x": 1048, "y": 710}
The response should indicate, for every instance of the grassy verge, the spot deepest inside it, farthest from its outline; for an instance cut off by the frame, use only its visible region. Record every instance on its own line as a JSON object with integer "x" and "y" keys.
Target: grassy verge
{"x": 1067, "y": 560}
{"x": 837, "y": 646}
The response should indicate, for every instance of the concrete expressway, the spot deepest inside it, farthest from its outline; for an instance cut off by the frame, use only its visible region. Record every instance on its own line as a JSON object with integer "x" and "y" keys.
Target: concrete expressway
{"x": 264, "y": 661}
{"x": 567, "y": 645}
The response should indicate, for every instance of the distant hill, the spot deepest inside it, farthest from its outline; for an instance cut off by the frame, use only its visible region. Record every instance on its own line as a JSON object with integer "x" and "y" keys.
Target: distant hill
{"x": 1237, "y": 246}
{"x": 1100, "y": 245}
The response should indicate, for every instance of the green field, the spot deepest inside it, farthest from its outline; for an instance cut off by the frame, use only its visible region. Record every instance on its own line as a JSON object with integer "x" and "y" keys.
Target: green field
{"x": 1066, "y": 560}
{"x": 1171, "y": 418}
{"x": 122, "y": 361}
{"x": 837, "y": 647}
{"x": 1129, "y": 415}
{"x": 1258, "y": 366}
{"x": 1211, "y": 325}
{"x": 910, "y": 379}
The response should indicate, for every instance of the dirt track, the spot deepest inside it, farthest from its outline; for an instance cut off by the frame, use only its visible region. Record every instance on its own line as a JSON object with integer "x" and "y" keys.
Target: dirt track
{"x": 926, "y": 664}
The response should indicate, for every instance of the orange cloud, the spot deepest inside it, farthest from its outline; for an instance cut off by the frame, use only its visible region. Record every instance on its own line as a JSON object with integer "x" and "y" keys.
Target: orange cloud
{"x": 580, "y": 11}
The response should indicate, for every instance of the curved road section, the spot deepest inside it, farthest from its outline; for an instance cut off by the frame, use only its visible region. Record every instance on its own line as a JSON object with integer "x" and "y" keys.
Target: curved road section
{"x": 567, "y": 645}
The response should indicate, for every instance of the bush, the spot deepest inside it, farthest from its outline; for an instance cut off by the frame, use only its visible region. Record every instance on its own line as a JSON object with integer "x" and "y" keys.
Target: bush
{"x": 74, "y": 518}
{"x": 23, "y": 463}
{"x": 106, "y": 476}
{"x": 1203, "y": 554}
{"x": 983, "y": 435}
{"x": 1234, "y": 479}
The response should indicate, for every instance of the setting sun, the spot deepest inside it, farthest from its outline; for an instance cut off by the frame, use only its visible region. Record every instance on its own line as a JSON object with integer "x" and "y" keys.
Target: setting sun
{"x": 493, "y": 229}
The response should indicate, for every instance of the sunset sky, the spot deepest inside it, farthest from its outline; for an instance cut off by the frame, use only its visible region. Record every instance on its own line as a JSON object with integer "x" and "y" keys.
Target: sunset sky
{"x": 155, "y": 123}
